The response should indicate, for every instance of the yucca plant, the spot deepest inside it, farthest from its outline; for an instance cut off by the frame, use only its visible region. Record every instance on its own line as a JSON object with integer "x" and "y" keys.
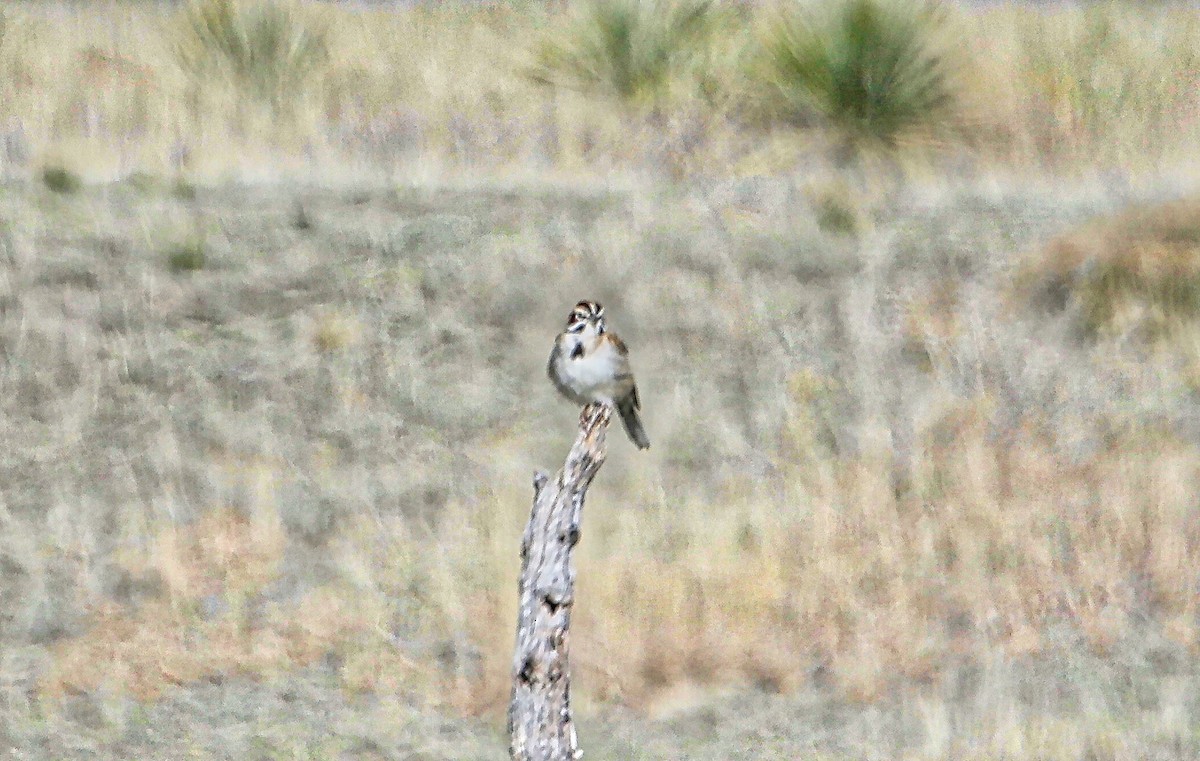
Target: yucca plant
{"x": 872, "y": 69}
{"x": 626, "y": 49}
{"x": 270, "y": 50}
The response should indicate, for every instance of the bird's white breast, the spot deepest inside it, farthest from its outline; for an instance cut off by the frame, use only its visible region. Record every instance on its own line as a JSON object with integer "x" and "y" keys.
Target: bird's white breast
{"x": 591, "y": 376}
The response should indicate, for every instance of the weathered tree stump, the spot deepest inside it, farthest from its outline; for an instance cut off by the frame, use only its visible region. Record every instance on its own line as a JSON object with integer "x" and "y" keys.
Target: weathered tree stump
{"x": 540, "y": 726}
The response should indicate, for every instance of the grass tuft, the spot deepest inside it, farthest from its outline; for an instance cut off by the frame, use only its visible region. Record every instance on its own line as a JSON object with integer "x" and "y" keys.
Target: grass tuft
{"x": 271, "y": 50}
{"x": 334, "y": 332}
{"x": 835, "y": 208}
{"x": 59, "y": 179}
{"x": 872, "y": 69}
{"x": 188, "y": 255}
{"x": 1136, "y": 274}
{"x": 630, "y": 50}
{"x": 183, "y": 190}
{"x": 145, "y": 183}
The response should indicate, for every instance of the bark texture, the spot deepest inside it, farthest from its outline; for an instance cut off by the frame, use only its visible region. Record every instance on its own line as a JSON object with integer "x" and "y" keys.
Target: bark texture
{"x": 539, "y": 717}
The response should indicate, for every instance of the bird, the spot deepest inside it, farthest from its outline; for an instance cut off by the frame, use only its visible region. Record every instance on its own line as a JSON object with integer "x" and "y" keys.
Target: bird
{"x": 589, "y": 364}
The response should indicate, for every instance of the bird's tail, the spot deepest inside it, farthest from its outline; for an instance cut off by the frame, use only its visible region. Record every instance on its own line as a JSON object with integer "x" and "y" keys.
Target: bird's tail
{"x": 633, "y": 424}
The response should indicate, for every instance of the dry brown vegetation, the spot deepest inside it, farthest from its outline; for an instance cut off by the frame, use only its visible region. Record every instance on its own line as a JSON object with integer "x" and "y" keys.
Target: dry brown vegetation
{"x": 118, "y": 88}
{"x": 309, "y": 453}
{"x": 926, "y": 445}
{"x": 1134, "y": 275}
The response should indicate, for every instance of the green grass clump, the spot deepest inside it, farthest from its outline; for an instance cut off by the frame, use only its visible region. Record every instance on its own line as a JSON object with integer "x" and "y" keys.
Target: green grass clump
{"x": 872, "y": 69}
{"x": 183, "y": 189}
{"x": 835, "y": 208}
{"x": 59, "y": 179}
{"x": 146, "y": 183}
{"x": 631, "y": 50}
{"x": 270, "y": 50}
{"x": 188, "y": 255}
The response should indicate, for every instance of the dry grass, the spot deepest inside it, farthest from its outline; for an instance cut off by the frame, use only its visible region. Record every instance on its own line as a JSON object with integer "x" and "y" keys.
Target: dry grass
{"x": 104, "y": 89}
{"x": 269, "y": 445}
{"x": 1136, "y": 275}
{"x": 309, "y": 454}
{"x": 1063, "y": 74}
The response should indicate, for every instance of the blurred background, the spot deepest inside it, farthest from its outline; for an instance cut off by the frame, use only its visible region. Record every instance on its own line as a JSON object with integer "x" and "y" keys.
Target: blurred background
{"x": 911, "y": 291}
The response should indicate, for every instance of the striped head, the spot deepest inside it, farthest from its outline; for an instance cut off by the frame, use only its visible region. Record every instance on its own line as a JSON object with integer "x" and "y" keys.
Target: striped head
{"x": 586, "y": 313}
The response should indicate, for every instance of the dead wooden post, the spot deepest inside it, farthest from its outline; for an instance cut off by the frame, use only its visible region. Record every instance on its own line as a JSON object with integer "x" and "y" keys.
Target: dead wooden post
{"x": 540, "y": 727}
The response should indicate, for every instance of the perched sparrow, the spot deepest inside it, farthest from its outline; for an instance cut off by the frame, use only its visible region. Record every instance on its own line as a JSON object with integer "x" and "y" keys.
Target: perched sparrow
{"x": 589, "y": 364}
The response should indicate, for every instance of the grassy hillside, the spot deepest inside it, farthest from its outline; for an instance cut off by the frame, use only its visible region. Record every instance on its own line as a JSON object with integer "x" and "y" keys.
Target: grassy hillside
{"x": 321, "y": 91}
{"x": 922, "y": 393}
{"x": 872, "y": 467}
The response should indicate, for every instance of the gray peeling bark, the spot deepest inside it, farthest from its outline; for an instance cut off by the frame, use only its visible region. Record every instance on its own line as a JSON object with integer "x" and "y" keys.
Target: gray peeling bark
{"x": 540, "y": 726}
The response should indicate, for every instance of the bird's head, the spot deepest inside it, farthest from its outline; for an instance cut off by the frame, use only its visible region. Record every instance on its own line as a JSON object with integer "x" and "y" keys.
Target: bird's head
{"x": 584, "y": 314}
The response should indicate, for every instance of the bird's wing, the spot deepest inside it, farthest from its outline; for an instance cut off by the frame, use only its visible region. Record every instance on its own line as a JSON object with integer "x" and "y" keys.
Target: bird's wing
{"x": 625, "y": 370}
{"x": 617, "y": 344}
{"x": 553, "y": 375}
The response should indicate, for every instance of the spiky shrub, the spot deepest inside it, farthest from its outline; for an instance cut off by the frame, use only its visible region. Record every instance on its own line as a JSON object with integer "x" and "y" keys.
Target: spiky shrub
{"x": 270, "y": 50}
{"x": 872, "y": 69}
{"x": 631, "y": 50}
